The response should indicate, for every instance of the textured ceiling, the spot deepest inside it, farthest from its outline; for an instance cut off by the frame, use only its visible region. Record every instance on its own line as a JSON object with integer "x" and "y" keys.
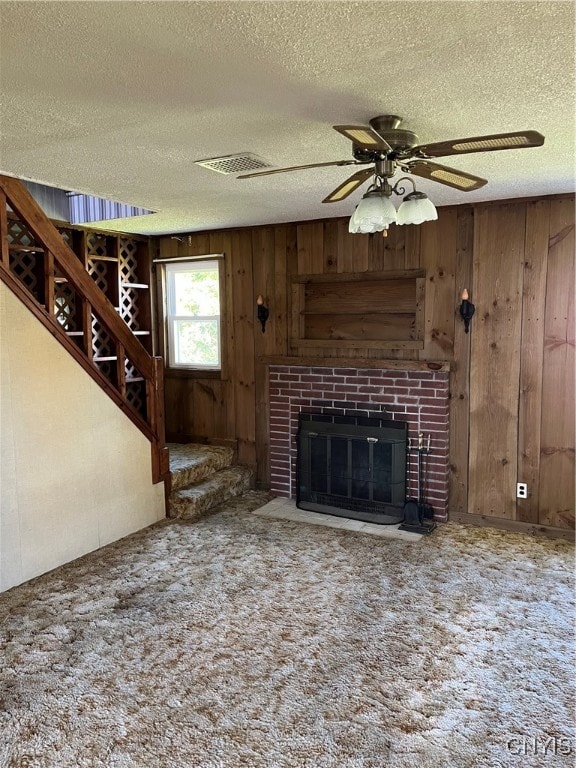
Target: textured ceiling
{"x": 118, "y": 99}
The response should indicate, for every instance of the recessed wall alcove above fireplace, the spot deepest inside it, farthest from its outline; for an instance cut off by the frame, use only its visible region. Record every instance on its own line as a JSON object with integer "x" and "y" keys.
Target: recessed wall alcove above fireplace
{"x": 417, "y": 397}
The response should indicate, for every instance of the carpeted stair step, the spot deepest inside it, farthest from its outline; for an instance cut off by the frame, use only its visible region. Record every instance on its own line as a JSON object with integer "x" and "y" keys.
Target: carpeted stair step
{"x": 192, "y": 463}
{"x": 195, "y": 501}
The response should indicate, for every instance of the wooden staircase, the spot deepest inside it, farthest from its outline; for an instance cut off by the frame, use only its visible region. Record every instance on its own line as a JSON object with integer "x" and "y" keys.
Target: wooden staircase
{"x": 202, "y": 477}
{"x": 54, "y": 262}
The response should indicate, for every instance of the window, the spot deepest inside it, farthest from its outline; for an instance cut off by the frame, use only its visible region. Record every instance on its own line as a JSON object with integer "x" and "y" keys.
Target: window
{"x": 193, "y": 314}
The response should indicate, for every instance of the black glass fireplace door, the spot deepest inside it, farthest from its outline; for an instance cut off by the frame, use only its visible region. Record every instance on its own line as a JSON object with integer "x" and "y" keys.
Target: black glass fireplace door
{"x": 356, "y": 475}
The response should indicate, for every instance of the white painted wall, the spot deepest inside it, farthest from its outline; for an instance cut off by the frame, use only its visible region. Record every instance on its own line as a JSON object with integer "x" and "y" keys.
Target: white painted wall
{"x": 75, "y": 473}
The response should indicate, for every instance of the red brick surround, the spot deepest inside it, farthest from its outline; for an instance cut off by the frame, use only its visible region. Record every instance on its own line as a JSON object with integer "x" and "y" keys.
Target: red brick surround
{"x": 418, "y": 397}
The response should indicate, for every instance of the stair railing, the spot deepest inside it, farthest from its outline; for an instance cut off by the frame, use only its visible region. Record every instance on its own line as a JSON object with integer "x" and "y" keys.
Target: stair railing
{"x": 60, "y": 263}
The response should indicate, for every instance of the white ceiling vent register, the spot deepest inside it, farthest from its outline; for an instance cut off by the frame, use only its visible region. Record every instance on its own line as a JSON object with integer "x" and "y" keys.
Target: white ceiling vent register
{"x": 234, "y": 163}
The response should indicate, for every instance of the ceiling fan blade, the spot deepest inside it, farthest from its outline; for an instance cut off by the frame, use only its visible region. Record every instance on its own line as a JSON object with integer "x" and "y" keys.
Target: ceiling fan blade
{"x": 348, "y": 186}
{"x": 298, "y": 168}
{"x": 490, "y": 143}
{"x": 363, "y": 136}
{"x": 465, "y": 182}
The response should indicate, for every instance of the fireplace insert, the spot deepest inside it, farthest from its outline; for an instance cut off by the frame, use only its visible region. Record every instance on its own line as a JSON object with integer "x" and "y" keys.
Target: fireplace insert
{"x": 352, "y": 466}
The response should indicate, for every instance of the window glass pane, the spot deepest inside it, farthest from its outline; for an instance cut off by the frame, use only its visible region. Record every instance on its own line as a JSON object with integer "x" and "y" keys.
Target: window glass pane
{"x": 196, "y": 292}
{"x": 193, "y": 313}
{"x": 197, "y": 343}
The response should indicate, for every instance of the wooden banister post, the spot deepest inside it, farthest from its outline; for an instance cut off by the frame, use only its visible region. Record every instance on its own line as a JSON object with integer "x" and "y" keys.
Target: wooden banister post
{"x": 4, "y": 252}
{"x": 155, "y": 402}
{"x": 49, "y": 283}
{"x": 121, "y": 369}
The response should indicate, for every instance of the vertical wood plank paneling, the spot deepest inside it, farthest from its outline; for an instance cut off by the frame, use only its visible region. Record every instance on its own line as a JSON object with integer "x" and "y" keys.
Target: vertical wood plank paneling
{"x": 168, "y": 247}
{"x": 384, "y": 251}
{"x": 438, "y": 257}
{"x": 531, "y": 356}
{"x": 331, "y": 245}
{"x": 195, "y": 245}
{"x": 262, "y": 426}
{"x": 291, "y": 273}
{"x": 343, "y": 240}
{"x": 209, "y": 408}
{"x": 498, "y": 405}
{"x": 221, "y": 242}
{"x": 280, "y": 326}
{"x": 398, "y": 251}
{"x": 204, "y": 407}
{"x": 345, "y": 257}
{"x": 179, "y": 399}
{"x": 419, "y": 324}
{"x": 264, "y": 272}
{"x": 244, "y": 361}
{"x": 495, "y": 359}
{"x": 298, "y": 322}
{"x": 558, "y": 395}
{"x": 376, "y": 253}
{"x": 412, "y": 246}
{"x": 460, "y": 371}
{"x": 270, "y": 281}
{"x": 222, "y": 403}
{"x": 310, "y": 248}
{"x": 224, "y": 244}
{"x": 411, "y": 261}
{"x": 355, "y": 256}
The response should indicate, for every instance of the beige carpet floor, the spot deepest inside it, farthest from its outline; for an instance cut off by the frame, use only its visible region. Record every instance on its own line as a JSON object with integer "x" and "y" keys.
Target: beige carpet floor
{"x": 248, "y": 642}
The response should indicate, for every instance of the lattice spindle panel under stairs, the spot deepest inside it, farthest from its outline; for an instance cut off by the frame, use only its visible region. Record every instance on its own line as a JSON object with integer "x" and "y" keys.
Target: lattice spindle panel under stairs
{"x": 98, "y": 271}
{"x": 19, "y": 234}
{"x": 103, "y": 350}
{"x": 129, "y": 309}
{"x": 26, "y": 258}
{"x": 65, "y": 306}
{"x": 135, "y": 388}
{"x": 128, "y": 260}
{"x": 130, "y": 274}
{"x": 97, "y": 246}
{"x": 27, "y": 267}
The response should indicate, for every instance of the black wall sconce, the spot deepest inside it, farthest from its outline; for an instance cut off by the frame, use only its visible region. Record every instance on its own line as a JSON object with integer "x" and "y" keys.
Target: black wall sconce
{"x": 467, "y": 309}
{"x": 263, "y": 312}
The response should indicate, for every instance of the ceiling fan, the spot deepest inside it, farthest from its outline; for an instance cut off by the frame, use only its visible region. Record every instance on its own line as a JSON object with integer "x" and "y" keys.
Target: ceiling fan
{"x": 387, "y": 147}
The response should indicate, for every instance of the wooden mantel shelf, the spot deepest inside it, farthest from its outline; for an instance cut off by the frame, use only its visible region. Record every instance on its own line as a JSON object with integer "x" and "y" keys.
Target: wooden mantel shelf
{"x": 346, "y": 362}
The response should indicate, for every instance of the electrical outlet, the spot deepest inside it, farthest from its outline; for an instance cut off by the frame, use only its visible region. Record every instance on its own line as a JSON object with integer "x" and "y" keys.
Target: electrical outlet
{"x": 521, "y": 490}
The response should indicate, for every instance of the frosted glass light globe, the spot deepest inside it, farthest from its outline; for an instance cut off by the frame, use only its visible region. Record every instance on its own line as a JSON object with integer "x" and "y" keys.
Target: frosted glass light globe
{"x": 374, "y": 213}
{"x": 416, "y": 209}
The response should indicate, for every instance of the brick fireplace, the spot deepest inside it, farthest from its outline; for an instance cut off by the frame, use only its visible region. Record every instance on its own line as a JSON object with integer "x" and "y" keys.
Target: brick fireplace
{"x": 418, "y": 397}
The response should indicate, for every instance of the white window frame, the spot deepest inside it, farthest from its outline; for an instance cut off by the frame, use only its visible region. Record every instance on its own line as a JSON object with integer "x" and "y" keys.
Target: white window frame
{"x": 172, "y": 320}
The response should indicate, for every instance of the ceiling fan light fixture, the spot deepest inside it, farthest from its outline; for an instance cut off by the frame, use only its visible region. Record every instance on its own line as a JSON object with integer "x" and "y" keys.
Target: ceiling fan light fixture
{"x": 389, "y": 148}
{"x": 374, "y": 213}
{"x": 416, "y": 208}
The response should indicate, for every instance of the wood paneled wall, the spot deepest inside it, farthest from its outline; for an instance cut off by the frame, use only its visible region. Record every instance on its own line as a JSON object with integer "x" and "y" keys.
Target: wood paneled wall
{"x": 512, "y": 377}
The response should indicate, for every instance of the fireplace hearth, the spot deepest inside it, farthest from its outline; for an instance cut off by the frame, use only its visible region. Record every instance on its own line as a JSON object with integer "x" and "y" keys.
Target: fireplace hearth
{"x": 352, "y": 466}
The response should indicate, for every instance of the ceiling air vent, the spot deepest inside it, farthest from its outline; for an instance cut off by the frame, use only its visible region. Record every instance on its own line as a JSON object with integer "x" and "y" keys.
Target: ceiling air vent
{"x": 234, "y": 163}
